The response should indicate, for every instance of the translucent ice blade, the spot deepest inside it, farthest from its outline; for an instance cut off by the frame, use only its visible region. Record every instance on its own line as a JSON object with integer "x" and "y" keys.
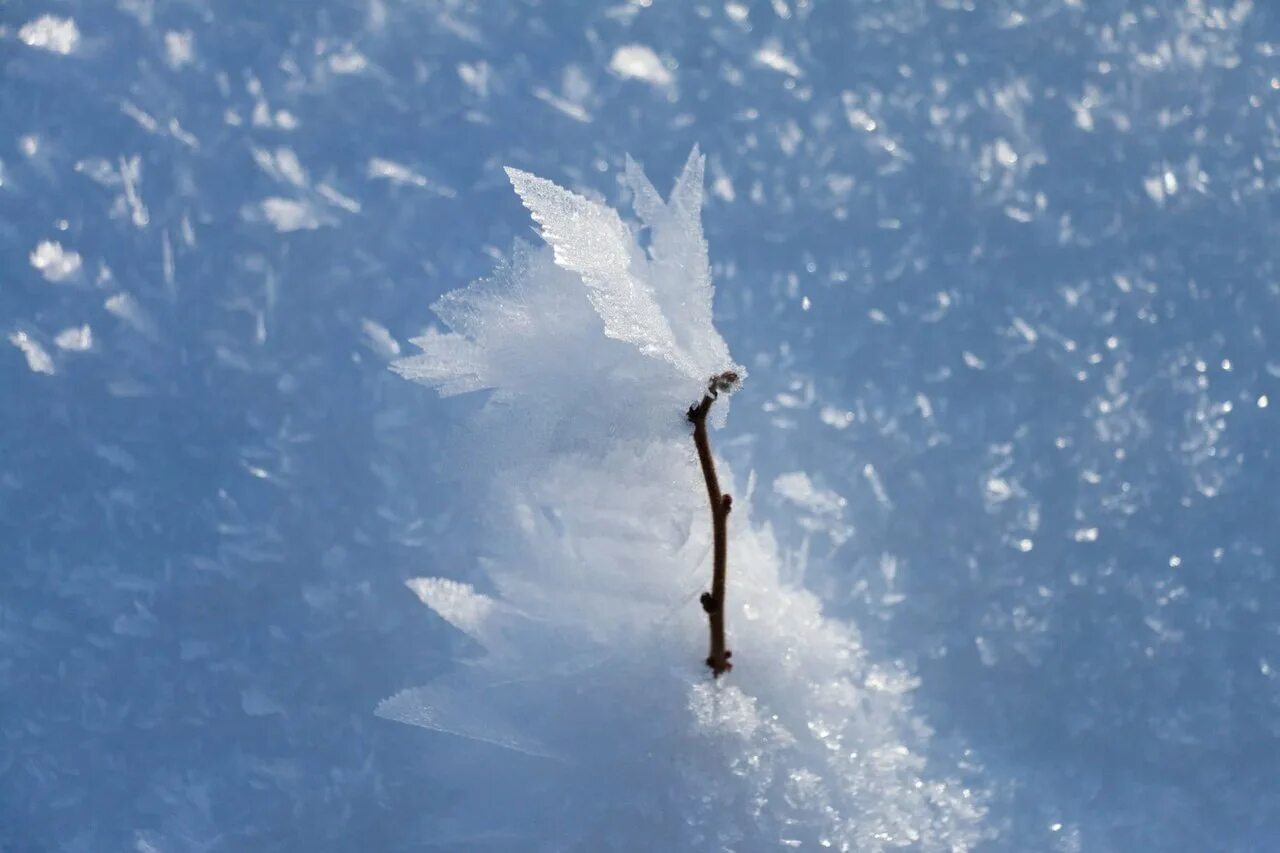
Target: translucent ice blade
{"x": 456, "y": 603}
{"x": 447, "y": 709}
{"x": 449, "y": 362}
{"x": 679, "y": 268}
{"x": 591, "y": 240}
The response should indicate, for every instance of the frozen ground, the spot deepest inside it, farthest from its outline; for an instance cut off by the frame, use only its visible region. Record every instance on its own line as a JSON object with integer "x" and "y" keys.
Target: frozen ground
{"x": 1004, "y": 274}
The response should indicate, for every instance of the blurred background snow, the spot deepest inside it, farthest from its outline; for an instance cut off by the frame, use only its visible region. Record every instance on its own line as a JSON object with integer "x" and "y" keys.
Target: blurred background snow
{"x": 1005, "y": 275}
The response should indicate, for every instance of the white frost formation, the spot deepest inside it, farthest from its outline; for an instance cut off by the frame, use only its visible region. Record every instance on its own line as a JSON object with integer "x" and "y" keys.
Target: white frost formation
{"x": 55, "y": 263}
{"x": 51, "y": 33}
{"x": 597, "y": 725}
{"x": 637, "y": 62}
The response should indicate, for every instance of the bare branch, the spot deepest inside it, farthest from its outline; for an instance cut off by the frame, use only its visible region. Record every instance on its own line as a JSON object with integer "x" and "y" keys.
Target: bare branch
{"x": 713, "y": 601}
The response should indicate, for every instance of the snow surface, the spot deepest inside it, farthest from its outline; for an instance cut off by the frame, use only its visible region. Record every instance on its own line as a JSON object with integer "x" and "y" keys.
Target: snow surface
{"x": 1004, "y": 275}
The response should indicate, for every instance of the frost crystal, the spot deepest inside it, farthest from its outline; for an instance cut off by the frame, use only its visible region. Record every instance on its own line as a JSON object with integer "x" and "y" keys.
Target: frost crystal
{"x": 51, "y": 33}
{"x": 37, "y": 358}
{"x": 55, "y": 263}
{"x": 638, "y": 62}
{"x": 595, "y": 547}
{"x": 534, "y": 330}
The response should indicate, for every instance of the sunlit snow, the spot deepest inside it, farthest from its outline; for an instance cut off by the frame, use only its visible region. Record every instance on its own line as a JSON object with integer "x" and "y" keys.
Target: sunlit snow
{"x": 1003, "y": 274}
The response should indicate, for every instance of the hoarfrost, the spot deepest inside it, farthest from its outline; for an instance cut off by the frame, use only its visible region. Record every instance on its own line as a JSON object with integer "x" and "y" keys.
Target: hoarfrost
{"x": 534, "y": 331}
{"x": 823, "y": 510}
{"x": 37, "y": 358}
{"x": 132, "y": 313}
{"x": 379, "y": 339}
{"x": 457, "y": 603}
{"x": 179, "y": 49}
{"x": 51, "y": 33}
{"x": 771, "y": 57}
{"x": 638, "y": 62}
{"x": 801, "y": 491}
{"x": 75, "y": 339}
{"x": 398, "y": 173}
{"x": 286, "y": 215}
{"x": 55, "y": 263}
{"x": 595, "y": 543}
{"x": 590, "y": 240}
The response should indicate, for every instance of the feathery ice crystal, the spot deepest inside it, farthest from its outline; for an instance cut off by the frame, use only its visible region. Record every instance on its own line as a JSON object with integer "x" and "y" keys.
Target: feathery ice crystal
{"x": 593, "y": 724}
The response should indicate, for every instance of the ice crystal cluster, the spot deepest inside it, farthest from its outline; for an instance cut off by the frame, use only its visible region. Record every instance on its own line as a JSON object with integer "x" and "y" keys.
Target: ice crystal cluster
{"x": 592, "y": 722}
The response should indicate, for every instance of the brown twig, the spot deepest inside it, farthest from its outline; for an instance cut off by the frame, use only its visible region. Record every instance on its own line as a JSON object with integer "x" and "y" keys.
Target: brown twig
{"x": 713, "y": 601}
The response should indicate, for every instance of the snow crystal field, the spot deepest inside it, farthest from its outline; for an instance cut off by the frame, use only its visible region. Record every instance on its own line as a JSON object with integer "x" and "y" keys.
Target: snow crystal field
{"x": 1002, "y": 279}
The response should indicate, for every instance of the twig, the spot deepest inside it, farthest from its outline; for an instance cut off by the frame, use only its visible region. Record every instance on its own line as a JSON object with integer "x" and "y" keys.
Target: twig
{"x": 713, "y": 601}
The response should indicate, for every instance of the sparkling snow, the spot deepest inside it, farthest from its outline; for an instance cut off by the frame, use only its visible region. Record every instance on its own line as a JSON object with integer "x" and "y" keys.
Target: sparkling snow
{"x": 1002, "y": 273}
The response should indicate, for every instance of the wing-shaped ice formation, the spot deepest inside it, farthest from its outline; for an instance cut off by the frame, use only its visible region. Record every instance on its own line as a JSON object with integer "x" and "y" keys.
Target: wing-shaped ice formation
{"x": 591, "y": 240}
{"x": 445, "y": 708}
{"x": 449, "y": 362}
{"x": 456, "y": 603}
{"x": 679, "y": 269}
{"x": 524, "y": 333}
